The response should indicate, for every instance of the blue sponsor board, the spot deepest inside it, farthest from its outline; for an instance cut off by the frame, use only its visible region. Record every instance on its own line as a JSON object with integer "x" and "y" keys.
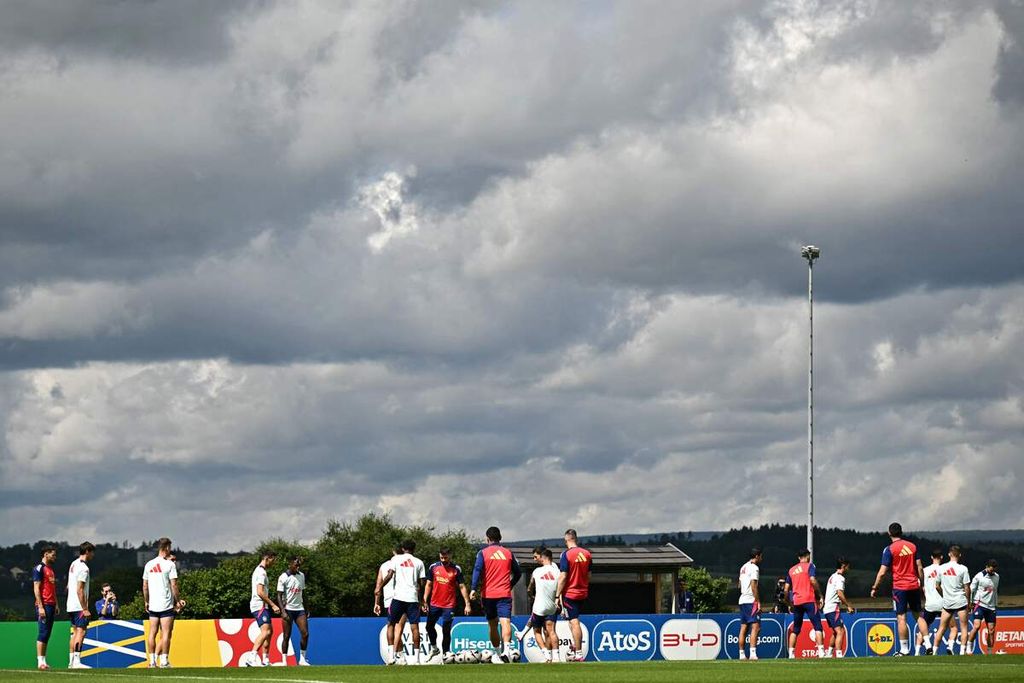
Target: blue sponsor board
{"x": 771, "y": 641}
{"x": 616, "y": 640}
{"x": 612, "y": 637}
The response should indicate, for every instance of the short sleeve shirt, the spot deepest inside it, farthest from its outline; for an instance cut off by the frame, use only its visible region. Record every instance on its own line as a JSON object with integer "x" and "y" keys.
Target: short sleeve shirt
{"x": 77, "y": 573}
{"x": 292, "y": 586}
{"x": 158, "y": 574}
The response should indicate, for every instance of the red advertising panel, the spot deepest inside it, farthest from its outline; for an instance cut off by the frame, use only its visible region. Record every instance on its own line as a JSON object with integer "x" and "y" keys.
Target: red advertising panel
{"x": 1009, "y": 637}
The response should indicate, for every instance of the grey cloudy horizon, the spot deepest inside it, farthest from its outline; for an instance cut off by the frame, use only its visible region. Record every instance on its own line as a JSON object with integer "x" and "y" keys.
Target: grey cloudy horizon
{"x": 268, "y": 264}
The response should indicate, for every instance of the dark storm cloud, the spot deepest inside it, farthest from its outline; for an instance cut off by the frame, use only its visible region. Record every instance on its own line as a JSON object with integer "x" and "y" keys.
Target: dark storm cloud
{"x": 1009, "y": 85}
{"x": 183, "y": 31}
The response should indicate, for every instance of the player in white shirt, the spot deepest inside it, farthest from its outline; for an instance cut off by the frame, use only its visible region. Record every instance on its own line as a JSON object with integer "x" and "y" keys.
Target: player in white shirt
{"x": 835, "y": 597}
{"x": 261, "y": 605}
{"x": 410, "y": 575}
{"x": 544, "y": 587}
{"x": 160, "y": 592}
{"x": 954, "y": 585}
{"x": 290, "y": 586}
{"x": 984, "y": 596}
{"x": 750, "y": 603}
{"x": 383, "y": 593}
{"x": 78, "y": 602}
{"x": 932, "y": 605}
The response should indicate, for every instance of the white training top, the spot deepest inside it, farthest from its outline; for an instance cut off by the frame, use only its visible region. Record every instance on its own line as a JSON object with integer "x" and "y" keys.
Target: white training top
{"x": 388, "y": 589}
{"x": 292, "y": 586}
{"x": 836, "y": 583}
{"x": 748, "y": 572}
{"x": 545, "y": 581}
{"x": 954, "y": 580}
{"x": 259, "y": 578}
{"x": 77, "y": 573}
{"x": 985, "y": 590}
{"x": 408, "y": 572}
{"x": 932, "y": 598}
{"x": 157, "y": 574}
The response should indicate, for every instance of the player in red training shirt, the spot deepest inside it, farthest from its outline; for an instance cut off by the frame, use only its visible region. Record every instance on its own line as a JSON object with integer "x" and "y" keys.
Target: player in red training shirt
{"x": 804, "y": 595}
{"x": 44, "y": 586}
{"x": 573, "y": 589}
{"x": 444, "y": 582}
{"x": 901, "y": 558}
{"x": 498, "y": 571}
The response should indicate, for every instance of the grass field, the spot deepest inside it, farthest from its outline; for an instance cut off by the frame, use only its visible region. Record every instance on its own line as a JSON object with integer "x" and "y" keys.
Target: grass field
{"x": 886, "y": 669}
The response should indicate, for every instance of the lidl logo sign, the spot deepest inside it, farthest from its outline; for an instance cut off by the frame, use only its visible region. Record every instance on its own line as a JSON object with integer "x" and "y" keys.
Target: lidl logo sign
{"x": 881, "y": 639}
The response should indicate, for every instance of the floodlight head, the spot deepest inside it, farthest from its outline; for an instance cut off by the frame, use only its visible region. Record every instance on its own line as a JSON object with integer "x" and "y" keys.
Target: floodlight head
{"x": 810, "y": 252}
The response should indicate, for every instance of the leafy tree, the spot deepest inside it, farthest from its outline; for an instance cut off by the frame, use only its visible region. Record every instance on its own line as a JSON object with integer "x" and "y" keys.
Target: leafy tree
{"x": 340, "y": 568}
{"x": 708, "y": 591}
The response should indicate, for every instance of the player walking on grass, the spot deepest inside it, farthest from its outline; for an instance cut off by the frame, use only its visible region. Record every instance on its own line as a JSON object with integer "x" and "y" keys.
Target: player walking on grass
{"x": 409, "y": 575}
{"x": 160, "y": 592}
{"x": 290, "y": 586}
{"x": 383, "y": 593}
{"x": 932, "y": 605}
{"x": 44, "y": 587}
{"x": 544, "y": 613}
{"x": 984, "y": 595}
{"x": 262, "y": 606}
{"x": 805, "y": 594}
{"x": 750, "y": 603}
{"x": 494, "y": 573}
{"x": 444, "y": 582}
{"x": 835, "y": 597}
{"x": 900, "y": 557}
{"x": 78, "y": 602}
{"x": 955, "y": 586}
{"x": 574, "y": 588}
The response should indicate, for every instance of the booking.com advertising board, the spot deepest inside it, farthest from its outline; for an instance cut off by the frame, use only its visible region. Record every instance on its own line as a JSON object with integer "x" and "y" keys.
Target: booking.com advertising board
{"x": 606, "y": 638}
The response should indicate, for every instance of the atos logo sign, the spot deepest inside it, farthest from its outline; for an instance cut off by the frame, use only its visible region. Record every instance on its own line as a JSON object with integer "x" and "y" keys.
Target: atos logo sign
{"x": 616, "y": 640}
{"x": 690, "y": 639}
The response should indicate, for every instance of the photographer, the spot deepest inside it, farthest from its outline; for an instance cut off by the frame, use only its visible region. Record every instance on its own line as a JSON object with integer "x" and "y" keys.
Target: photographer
{"x": 107, "y": 607}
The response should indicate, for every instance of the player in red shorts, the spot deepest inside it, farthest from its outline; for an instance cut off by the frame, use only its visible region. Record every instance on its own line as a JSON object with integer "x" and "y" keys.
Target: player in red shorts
{"x": 900, "y": 557}
{"x": 573, "y": 589}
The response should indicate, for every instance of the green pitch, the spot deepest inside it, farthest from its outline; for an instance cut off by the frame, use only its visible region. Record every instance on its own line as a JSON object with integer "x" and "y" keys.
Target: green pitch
{"x": 914, "y": 670}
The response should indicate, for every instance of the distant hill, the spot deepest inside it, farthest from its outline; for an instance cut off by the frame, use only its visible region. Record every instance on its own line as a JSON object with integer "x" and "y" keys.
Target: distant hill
{"x": 978, "y": 536}
{"x": 625, "y": 539}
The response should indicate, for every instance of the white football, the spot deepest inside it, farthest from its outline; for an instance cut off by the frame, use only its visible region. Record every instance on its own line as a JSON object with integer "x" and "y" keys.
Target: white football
{"x": 448, "y": 658}
{"x": 516, "y": 656}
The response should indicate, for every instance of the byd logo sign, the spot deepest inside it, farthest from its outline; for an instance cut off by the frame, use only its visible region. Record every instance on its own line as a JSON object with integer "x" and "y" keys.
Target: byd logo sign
{"x": 617, "y": 640}
{"x": 690, "y": 639}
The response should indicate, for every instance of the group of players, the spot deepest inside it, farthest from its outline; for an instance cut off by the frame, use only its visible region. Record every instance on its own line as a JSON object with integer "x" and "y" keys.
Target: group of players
{"x": 163, "y": 603}
{"x": 406, "y": 589}
{"x": 948, "y": 592}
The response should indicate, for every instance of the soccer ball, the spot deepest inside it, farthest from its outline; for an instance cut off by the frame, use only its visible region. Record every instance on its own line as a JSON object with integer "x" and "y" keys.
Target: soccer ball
{"x": 516, "y": 656}
{"x": 448, "y": 658}
{"x": 466, "y": 657}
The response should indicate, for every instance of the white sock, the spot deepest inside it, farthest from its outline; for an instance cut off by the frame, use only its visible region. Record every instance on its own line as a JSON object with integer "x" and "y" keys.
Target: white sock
{"x": 905, "y": 647}
{"x": 152, "y": 658}
{"x": 743, "y": 653}
{"x": 302, "y": 655}
{"x": 163, "y": 660}
{"x": 828, "y": 652}
{"x": 917, "y": 648}
{"x": 839, "y": 654}
{"x": 41, "y": 659}
{"x": 266, "y": 658}
{"x": 76, "y": 658}
{"x": 792, "y": 653}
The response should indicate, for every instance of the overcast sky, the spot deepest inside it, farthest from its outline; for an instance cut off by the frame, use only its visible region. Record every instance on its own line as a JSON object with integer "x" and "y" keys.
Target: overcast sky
{"x": 527, "y": 264}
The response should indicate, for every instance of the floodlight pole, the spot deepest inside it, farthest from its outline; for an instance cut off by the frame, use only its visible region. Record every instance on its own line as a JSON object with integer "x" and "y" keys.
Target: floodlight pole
{"x": 810, "y": 253}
